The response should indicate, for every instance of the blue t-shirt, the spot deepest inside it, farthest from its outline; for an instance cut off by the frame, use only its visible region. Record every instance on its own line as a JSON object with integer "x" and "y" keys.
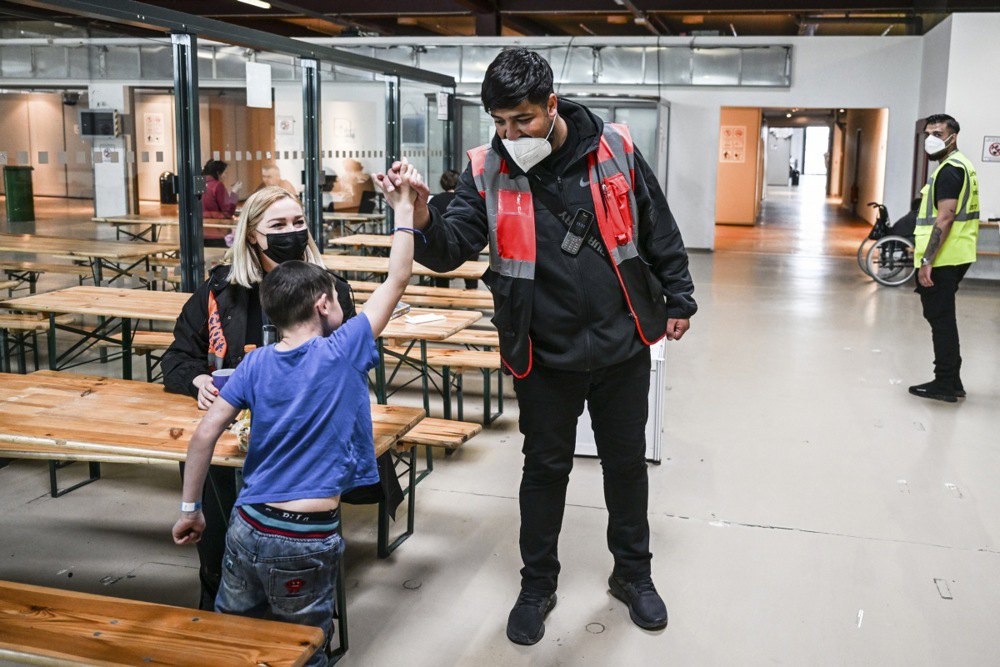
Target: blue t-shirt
{"x": 311, "y": 420}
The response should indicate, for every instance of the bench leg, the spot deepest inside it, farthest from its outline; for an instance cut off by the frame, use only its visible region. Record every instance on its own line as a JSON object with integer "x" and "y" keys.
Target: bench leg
{"x": 446, "y": 391}
{"x": 4, "y": 352}
{"x": 384, "y": 546}
{"x": 21, "y": 340}
{"x": 34, "y": 349}
{"x": 93, "y": 468}
{"x": 341, "y": 610}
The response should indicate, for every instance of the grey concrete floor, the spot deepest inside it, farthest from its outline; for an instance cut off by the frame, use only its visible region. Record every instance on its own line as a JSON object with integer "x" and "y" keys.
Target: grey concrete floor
{"x": 808, "y": 510}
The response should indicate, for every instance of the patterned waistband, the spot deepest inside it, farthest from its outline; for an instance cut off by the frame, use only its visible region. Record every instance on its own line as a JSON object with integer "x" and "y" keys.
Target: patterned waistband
{"x": 312, "y": 525}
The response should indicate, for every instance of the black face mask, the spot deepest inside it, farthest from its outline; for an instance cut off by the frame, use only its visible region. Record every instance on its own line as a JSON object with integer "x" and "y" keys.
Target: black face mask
{"x": 287, "y": 246}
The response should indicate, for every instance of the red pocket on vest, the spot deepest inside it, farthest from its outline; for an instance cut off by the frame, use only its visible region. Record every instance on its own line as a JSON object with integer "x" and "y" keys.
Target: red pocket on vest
{"x": 619, "y": 212}
{"x": 515, "y": 225}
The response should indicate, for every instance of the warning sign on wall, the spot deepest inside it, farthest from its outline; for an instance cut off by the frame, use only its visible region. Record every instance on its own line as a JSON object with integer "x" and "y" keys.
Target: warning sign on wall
{"x": 733, "y": 143}
{"x": 991, "y": 149}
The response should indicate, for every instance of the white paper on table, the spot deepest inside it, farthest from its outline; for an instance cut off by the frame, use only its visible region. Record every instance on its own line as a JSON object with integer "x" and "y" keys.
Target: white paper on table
{"x": 423, "y": 319}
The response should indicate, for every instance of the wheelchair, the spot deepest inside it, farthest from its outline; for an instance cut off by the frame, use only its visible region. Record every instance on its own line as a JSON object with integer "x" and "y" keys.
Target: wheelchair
{"x": 886, "y": 254}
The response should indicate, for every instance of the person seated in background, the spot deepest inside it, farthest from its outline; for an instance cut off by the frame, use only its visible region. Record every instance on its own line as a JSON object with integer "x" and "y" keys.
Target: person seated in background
{"x": 217, "y": 203}
{"x": 311, "y": 438}
{"x": 351, "y": 184}
{"x": 271, "y": 175}
{"x": 439, "y": 202}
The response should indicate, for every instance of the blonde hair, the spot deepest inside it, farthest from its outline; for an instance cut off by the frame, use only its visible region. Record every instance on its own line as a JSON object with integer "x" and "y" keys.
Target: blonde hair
{"x": 243, "y": 256}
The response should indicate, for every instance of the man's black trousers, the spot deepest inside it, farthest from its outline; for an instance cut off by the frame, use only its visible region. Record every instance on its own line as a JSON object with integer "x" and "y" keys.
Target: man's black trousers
{"x": 550, "y": 403}
{"x": 939, "y": 310}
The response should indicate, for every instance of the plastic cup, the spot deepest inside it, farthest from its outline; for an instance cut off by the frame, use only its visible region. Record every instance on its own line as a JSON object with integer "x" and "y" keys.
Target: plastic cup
{"x": 221, "y": 377}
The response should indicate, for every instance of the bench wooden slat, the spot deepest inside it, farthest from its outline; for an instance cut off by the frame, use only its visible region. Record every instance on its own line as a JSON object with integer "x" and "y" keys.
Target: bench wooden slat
{"x": 481, "y": 337}
{"x": 455, "y": 358}
{"x": 30, "y": 321}
{"x": 427, "y": 290}
{"x": 9, "y": 284}
{"x": 439, "y": 433}
{"x": 436, "y": 301}
{"x": 40, "y": 267}
{"x": 80, "y": 628}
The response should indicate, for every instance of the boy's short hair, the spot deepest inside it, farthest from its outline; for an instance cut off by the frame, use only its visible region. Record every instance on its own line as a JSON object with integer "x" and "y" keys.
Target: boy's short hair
{"x": 290, "y": 290}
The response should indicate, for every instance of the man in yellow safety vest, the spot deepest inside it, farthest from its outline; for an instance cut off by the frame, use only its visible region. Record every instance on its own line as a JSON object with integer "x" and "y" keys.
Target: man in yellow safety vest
{"x": 946, "y": 235}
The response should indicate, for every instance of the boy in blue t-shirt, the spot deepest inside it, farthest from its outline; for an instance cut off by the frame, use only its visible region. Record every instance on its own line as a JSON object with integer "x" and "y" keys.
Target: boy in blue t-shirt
{"x": 310, "y": 438}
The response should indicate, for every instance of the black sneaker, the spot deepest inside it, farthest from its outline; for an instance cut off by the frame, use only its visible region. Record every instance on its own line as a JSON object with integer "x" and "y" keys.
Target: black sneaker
{"x": 936, "y": 391}
{"x": 645, "y": 606}
{"x": 526, "y": 623}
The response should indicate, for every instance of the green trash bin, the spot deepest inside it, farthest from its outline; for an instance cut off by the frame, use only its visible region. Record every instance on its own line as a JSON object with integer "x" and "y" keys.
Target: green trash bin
{"x": 20, "y": 194}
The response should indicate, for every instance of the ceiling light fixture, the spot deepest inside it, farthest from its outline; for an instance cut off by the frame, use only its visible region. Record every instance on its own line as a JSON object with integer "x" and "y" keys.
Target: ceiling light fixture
{"x": 256, "y": 3}
{"x": 788, "y": 115}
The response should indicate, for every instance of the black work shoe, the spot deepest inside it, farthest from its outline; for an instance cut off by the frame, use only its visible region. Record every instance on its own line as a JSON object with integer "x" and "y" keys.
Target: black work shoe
{"x": 645, "y": 606}
{"x": 936, "y": 391}
{"x": 959, "y": 389}
{"x": 526, "y": 623}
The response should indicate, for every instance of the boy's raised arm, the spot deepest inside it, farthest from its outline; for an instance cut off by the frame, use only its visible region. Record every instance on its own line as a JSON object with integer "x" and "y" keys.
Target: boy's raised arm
{"x": 383, "y": 301}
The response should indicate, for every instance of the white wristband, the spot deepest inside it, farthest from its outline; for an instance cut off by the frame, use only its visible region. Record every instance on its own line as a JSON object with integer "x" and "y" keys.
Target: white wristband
{"x": 190, "y": 507}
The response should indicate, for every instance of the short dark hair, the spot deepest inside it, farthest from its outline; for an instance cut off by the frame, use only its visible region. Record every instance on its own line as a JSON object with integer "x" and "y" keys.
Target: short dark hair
{"x": 290, "y": 290}
{"x": 449, "y": 180}
{"x": 514, "y": 76}
{"x": 214, "y": 168}
{"x": 946, "y": 119}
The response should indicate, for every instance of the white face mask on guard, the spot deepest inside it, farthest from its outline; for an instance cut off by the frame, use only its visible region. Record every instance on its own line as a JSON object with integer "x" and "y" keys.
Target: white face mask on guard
{"x": 934, "y": 145}
{"x": 526, "y": 152}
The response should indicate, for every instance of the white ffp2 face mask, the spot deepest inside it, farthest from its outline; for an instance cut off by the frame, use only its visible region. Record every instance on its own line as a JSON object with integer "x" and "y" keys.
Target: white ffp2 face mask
{"x": 526, "y": 152}
{"x": 934, "y": 145}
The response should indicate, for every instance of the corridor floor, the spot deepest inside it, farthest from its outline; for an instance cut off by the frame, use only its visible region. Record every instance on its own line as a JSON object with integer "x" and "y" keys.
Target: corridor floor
{"x": 808, "y": 511}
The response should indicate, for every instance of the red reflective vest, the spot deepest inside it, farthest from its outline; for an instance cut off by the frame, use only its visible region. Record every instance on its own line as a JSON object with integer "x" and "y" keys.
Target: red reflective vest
{"x": 511, "y": 217}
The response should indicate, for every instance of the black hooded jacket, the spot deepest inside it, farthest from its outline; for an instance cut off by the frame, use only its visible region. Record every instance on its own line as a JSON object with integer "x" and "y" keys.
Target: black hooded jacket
{"x": 579, "y": 320}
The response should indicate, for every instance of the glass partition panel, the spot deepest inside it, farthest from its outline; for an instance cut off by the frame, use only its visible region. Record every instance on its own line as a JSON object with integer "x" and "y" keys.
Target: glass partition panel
{"x": 716, "y": 67}
{"x": 444, "y": 60}
{"x": 352, "y": 145}
{"x": 674, "y": 67}
{"x": 424, "y": 132}
{"x": 622, "y": 64}
{"x": 767, "y": 66}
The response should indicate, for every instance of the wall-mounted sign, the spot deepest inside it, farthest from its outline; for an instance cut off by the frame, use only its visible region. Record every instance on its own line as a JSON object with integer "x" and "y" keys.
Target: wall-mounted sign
{"x": 152, "y": 128}
{"x": 442, "y": 106}
{"x": 259, "y": 85}
{"x": 733, "y": 143}
{"x": 284, "y": 125}
{"x": 991, "y": 149}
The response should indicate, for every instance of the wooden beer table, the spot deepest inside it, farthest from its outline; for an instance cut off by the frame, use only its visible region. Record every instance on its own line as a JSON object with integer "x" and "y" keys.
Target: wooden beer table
{"x": 118, "y": 310}
{"x": 150, "y": 225}
{"x": 120, "y": 258}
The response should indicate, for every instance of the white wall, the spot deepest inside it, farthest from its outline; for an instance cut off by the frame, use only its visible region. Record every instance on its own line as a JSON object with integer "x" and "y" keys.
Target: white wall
{"x": 934, "y": 71}
{"x": 827, "y": 72}
{"x": 974, "y": 96}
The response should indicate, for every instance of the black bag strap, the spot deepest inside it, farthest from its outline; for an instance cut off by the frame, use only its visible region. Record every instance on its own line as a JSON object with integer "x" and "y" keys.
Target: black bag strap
{"x": 558, "y": 209}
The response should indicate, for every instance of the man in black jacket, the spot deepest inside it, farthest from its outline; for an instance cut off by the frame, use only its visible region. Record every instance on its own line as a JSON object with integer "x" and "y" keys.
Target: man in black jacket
{"x": 575, "y": 324}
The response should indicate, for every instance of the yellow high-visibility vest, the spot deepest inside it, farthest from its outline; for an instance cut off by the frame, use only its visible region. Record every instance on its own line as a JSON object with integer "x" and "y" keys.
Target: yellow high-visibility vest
{"x": 960, "y": 245}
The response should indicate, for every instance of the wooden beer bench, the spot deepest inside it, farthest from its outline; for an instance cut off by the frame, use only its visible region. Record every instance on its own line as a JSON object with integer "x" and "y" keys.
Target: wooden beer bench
{"x": 21, "y": 327}
{"x": 46, "y": 626}
{"x": 30, "y": 272}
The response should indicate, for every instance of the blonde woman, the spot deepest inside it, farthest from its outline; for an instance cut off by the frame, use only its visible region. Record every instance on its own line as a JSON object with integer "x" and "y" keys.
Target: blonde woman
{"x": 222, "y": 317}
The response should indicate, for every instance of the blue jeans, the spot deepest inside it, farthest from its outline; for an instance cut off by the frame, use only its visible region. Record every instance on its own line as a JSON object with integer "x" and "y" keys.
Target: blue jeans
{"x": 280, "y": 578}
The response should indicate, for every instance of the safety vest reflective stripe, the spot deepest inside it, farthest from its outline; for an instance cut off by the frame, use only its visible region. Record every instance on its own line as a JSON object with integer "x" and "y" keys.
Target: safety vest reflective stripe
{"x": 960, "y": 245}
